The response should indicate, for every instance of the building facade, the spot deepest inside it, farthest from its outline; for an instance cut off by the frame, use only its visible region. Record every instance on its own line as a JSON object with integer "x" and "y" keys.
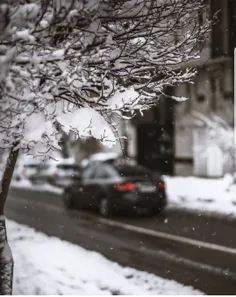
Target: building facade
{"x": 173, "y": 136}
{"x": 210, "y": 98}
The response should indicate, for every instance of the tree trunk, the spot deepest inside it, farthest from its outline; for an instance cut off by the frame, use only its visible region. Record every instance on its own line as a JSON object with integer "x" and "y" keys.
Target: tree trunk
{"x": 125, "y": 140}
{"x": 6, "y": 260}
{"x": 64, "y": 143}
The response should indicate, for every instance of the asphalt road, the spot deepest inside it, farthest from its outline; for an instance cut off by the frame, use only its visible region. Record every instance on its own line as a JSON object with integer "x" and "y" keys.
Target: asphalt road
{"x": 192, "y": 249}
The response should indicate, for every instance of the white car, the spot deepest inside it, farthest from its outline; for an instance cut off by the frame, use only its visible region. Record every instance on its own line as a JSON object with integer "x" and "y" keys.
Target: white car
{"x": 58, "y": 173}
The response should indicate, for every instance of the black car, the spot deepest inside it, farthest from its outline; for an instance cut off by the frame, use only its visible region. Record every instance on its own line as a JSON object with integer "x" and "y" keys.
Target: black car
{"x": 115, "y": 186}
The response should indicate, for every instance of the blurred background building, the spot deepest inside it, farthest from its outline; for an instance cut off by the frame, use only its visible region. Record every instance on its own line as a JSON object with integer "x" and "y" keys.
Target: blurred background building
{"x": 211, "y": 97}
{"x": 194, "y": 137}
{"x": 177, "y": 137}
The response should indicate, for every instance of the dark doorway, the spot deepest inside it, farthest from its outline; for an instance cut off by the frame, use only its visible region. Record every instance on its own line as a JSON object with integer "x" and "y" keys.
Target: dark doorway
{"x": 155, "y": 148}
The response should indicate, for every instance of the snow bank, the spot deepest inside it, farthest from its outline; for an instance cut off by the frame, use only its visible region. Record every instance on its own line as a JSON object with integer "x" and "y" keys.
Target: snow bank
{"x": 26, "y": 184}
{"x": 204, "y": 195}
{"x": 50, "y": 266}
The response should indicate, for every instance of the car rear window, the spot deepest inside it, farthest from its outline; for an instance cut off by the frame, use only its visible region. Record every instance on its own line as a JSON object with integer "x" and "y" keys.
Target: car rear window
{"x": 132, "y": 170}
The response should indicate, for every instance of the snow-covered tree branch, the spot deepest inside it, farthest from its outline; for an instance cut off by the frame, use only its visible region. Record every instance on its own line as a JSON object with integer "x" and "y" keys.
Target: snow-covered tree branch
{"x": 72, "y": 64}
{"x": 57, "y": 57}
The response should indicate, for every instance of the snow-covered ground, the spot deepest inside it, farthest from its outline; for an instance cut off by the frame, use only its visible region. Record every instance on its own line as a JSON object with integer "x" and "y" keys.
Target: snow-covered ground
{"x": 25, "y": 184}
{"x": 49, "y": 266}
{"x": 217, "y": 196}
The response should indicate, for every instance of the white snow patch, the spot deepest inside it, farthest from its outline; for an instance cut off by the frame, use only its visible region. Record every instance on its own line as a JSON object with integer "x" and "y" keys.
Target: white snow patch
{"x": 119, "y": 100}
{"x": 36, "y": 125}
{"x": 88, "y": 122}
{"x": 201, "y": 194}
{"x": 26, "y": 184}
{"x": 59, "y": 53}
{"x": 25, "y": 35}
{"x": 49, "y": 266}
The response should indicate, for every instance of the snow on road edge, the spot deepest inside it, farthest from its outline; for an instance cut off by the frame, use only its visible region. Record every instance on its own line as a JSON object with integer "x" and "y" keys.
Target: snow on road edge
{"x": 49, "y": 266}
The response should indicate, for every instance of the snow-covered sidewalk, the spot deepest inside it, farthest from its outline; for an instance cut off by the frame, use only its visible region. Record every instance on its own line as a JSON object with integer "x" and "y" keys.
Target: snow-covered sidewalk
{"x": 216, "y": 196}
{"x": 49, "y": 266}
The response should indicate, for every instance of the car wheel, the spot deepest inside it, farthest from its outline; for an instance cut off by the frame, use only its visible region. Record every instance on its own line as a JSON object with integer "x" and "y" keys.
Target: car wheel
{"x": 105, "y": 208}
{"x": 68, "y": 201}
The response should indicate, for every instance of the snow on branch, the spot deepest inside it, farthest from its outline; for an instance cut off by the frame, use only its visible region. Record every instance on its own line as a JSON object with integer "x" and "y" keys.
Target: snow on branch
{"x": 71, "y": 62}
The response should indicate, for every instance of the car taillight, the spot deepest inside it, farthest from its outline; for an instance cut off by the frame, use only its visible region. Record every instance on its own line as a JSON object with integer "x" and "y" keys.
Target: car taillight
{"x": 161, "y": 185}
{"x": 125, "y": 187}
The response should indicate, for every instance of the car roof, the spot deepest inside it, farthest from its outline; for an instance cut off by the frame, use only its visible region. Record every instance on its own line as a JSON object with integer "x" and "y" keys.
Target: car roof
{"x": 115, "y": 162}
{"x": 55, "y": 163}
{"x": 66, "y": 161}
{"x": 103, "y": 156}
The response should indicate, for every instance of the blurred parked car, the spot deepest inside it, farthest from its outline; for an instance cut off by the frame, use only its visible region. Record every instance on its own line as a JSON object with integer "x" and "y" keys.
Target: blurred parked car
{"x": 102, "y": 157}
{"x": 58, "y": 173}
{"x": 25, "y": 170}
{"x": 113, "y": 185}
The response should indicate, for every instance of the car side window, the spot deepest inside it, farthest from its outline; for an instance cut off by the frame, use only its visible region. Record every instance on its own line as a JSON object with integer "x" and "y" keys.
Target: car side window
{"x": 43, "y": 168}
{"x": 88, "y": 173}
{"x": 105, "y": 171}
